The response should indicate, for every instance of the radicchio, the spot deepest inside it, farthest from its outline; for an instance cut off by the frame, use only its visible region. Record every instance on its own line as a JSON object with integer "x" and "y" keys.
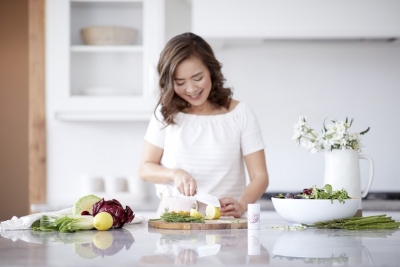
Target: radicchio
{"x": 120, "y": 216}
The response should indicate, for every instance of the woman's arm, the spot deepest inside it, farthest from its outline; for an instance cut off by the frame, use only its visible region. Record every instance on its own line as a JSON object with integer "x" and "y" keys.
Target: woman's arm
{"x": 150, "y": 170}
{"x": 257, "y": 169}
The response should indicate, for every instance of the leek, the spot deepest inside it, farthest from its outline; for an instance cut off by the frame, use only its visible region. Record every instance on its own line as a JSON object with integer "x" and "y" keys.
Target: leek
{"x": 65, "y": 223}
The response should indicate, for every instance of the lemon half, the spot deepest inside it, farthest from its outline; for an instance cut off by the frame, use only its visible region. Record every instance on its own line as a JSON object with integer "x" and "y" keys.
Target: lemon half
{"x": 212, "y": 212}
{"x": 194, "y": 213}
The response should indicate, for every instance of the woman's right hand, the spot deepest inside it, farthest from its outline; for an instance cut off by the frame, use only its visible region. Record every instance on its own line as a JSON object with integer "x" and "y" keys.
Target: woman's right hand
{"x": 184, "y": 182}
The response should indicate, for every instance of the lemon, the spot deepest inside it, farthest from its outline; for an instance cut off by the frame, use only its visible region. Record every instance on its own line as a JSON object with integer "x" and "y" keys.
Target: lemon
{"x": 194, "y": 213}
{"x": 212, "y": 212}
{"x": 103, "y": 221}
{"x": 103, "y": 240}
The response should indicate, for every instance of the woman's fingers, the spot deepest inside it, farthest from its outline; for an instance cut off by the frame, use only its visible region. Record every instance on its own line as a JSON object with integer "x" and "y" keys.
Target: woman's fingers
{"x": 185, "y": 183}
{"x": 193, "y": 188}
{"x": 188, "y": 189}
{"x": 231, "y": 207}
{"x": 227, "y": 203}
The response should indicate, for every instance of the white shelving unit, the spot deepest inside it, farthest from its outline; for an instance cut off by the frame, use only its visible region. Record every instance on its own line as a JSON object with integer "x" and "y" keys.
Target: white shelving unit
{"x": 93, "y": 82}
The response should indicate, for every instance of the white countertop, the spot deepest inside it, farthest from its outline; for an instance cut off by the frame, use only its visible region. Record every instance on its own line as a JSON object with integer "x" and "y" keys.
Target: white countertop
{"x": 273, "y": 245}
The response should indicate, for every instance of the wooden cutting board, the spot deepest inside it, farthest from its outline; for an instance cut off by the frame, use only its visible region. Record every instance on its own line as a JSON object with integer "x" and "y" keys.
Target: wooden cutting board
{"x": 221, "y": 223}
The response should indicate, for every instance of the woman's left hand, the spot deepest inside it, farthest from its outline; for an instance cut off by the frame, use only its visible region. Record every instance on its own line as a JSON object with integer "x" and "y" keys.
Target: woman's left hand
{"x": 232, "y": 207}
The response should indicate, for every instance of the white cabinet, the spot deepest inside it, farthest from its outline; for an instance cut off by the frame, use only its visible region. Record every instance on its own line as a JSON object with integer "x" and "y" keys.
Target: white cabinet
{"x": 100, "y": 82}
{"x": 293, "y": 19}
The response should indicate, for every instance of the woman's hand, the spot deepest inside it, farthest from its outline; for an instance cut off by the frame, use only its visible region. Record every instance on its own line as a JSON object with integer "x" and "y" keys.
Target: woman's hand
{"x": 232, "y": 207}
{"x": 184, "y": 182}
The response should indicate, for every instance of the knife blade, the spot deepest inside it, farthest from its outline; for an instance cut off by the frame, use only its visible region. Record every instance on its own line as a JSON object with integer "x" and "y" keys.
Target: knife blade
{"x": 207, "y": 199}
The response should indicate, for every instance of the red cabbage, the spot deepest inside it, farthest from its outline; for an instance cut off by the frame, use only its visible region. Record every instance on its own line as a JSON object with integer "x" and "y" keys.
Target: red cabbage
{"x": 120, "y": 216}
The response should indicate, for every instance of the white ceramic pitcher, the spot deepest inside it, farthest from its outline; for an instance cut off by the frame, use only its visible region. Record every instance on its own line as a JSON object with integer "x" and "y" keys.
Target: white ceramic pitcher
{"x": 342, "y": 170}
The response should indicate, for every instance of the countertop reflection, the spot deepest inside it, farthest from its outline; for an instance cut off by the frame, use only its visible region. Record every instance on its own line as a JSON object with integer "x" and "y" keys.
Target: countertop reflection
{"x": 277, "y": 243}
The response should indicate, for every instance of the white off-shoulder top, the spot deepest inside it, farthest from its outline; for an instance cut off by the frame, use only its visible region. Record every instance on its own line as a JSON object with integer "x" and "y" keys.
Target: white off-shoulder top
{"x": 209, "y": 147}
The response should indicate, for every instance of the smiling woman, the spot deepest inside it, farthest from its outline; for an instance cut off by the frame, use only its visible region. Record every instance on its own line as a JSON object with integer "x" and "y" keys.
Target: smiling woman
{"x": 194, "y": 88}
{"x": 199, "y": 137}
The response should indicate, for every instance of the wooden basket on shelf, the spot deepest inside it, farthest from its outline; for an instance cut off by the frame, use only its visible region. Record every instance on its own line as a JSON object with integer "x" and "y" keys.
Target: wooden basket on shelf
{"x": 108, "y": 35}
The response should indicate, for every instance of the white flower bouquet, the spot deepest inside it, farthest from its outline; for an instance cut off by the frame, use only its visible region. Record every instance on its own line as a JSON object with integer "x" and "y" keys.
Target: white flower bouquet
{"x": 334, "y": 136}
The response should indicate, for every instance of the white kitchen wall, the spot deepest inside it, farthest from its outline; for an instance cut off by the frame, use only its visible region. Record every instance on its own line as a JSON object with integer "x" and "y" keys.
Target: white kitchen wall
{"x": 281, "y": 80}
{"x": 98, "y": 149}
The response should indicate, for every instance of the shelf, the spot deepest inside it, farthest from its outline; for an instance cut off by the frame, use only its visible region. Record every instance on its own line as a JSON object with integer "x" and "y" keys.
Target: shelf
{"x": 114, "y": 1}
{"x": 102, "y": 116}
{"x": 117, "y": 48}
{"x": 102, "y": 82}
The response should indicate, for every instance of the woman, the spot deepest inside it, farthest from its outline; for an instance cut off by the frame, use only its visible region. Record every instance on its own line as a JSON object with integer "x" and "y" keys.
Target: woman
{"x": 199, "y": 137}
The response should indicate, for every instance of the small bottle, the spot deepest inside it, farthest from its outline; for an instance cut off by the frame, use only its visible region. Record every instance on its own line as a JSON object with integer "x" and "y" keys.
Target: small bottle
{"x": 253, "y": 219}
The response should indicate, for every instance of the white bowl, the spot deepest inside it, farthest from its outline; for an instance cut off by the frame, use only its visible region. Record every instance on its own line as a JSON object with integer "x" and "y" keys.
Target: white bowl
{"x": 310, "y": 211}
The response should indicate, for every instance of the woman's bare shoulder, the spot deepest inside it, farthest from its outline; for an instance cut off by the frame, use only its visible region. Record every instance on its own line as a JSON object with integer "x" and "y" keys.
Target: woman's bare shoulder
{"x": 233, "y": 104}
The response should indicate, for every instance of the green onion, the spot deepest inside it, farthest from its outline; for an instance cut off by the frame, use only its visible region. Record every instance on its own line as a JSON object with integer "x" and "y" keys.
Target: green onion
{"x": 180, "y": 217}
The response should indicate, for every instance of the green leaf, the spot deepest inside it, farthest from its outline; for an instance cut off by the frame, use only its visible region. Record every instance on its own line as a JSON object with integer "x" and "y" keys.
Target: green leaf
{"x": 364, "y": 132}
{"x": 328, "y": 188}
{"x": 180, "y": 217}
{"x": 324, "y": 125}
{"x": 36, "y": 224}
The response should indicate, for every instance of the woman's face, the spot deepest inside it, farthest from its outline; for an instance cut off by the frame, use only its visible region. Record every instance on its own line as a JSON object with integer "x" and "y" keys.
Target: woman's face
{"x": 192, "y": 81}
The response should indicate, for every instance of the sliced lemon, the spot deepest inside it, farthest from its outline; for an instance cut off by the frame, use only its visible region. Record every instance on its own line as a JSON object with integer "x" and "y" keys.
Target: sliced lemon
{"x": 103, "y": 221}
{"x": 212, "y": 212}
{"x": 194, "y": 213}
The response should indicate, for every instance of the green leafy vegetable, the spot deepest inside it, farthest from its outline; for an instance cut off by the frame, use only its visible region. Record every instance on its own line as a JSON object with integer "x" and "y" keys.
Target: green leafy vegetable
{"x": 319, "y": 193}
{"x": 180, "y": 217}
{"x": 359, "y": 223}
{"x": 65, "y": 223}
{"x": 326, "y": 193}
{"x": 85, "y": 204}
{"x": 328, "y": 188}
{"x": 36, "y": 224}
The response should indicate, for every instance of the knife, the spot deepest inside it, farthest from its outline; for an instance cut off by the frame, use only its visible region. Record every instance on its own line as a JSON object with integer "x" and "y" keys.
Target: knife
{"x": 207, "y": 199}
{"x": 200, "y": 196}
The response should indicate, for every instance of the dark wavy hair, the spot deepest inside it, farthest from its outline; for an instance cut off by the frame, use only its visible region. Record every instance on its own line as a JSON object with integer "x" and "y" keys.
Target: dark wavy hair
{"x": 178, "y": 49}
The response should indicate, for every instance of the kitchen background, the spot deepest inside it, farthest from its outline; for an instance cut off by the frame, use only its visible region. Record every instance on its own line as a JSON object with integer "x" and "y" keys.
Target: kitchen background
{"x": 318, "y": 76}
